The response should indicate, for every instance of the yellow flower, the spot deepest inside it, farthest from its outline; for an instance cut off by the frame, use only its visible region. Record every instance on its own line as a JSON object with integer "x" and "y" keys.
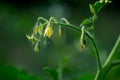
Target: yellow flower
{"x": 48, "y": 31}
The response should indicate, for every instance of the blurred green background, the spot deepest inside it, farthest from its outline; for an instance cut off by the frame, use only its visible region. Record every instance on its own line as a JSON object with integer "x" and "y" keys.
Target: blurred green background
{"x": 17, "y": 18}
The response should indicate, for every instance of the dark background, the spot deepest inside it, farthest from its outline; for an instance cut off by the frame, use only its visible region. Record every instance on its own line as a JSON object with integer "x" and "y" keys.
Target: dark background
{"x": 17, "y": 17}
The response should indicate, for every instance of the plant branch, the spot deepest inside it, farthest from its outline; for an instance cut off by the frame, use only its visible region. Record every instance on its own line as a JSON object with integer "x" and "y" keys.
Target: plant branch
{"x": 112, "y": 54}
{"x": 90, "y": 37}
{"x": 107, "y": 65}
{"x": 96, "y": 49}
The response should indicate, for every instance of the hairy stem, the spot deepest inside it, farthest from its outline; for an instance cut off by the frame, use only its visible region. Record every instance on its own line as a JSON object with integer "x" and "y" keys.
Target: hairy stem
{"x": 107, "y": 65}
{"x": 113, "y": 53}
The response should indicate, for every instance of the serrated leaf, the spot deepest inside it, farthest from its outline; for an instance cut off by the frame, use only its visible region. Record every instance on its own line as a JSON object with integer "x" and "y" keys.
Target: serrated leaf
{"x": 86, "y": 21}
{"x": 53, "y": 73}
{"x": 92, "y": 9}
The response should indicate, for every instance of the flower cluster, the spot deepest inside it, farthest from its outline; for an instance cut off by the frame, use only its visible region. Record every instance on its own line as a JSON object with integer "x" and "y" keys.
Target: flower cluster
{"x": 43, "y": 30}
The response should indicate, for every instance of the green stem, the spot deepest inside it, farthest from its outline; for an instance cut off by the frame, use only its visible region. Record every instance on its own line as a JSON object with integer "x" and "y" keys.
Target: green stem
{"x": 113, "y": 52}
{"x": 106, "y": 67}
{"x": 113, "y": 64}
{"x": 69, "y": 25}
{"x": 90, "y": 37}
{"x": 96, "y": 49}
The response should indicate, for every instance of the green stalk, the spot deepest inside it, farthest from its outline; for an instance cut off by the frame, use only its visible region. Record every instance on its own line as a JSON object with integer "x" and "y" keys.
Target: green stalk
{"x": 102, "y": 72}
{"x": 96, "y": 49}
{"x": 113, "y": 52}
{"x": 90, "y": 37}
{"x": 107, "y": 65}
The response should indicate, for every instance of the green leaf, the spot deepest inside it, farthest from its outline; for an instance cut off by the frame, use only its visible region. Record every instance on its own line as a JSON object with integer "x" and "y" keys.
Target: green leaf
{"x": 99, "y": 5}
{"x": 12, "y": 73}
{"x": 53, "y": 73}
{"x": 92, "y": 9}
{"x": 86, "y": 21}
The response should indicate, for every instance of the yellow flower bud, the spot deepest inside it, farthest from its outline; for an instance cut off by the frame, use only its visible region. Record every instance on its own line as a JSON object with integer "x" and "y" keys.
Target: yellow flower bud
{"x": 48, "y": 31}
